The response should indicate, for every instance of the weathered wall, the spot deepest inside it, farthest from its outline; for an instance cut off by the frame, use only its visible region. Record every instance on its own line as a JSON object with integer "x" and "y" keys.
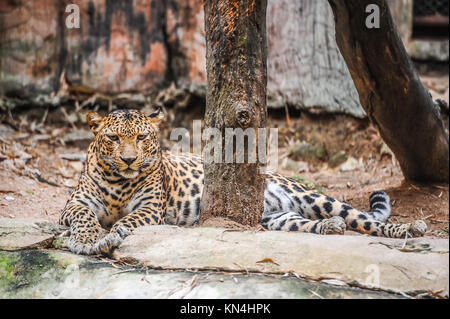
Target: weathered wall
{"x": 119, "y": 47}
{"x": 402, "y": 13}
{"x": 305, "y": 67}
{"x": 142, "y": 45}
{"x": 30, "y": 46}
{"x": 186, "y": 42}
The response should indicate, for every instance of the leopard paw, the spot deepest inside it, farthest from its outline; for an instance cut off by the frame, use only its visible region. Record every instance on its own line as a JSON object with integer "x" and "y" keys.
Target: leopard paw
{"x": 107, "y": 244}
{"x": 417, "y": 228}
{"x": 333, "y": 225}
{"x": 83, "y": 238}
{"x": 78, "y": 247}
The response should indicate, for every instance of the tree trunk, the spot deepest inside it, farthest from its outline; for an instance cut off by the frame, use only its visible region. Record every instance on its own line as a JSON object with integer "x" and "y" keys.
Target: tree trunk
{"x": 390, "y": 90}
{"x": 236, "y": 53}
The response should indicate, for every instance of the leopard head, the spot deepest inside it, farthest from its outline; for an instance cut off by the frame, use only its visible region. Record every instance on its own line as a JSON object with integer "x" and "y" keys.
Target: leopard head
{"x": 126, "y": 141}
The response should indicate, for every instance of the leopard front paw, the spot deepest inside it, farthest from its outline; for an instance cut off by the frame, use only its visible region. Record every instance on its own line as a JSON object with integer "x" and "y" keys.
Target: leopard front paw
{"x": 107, "y": 244}
{"x": 80, "y": 247}
{"x": 82, "y": 241}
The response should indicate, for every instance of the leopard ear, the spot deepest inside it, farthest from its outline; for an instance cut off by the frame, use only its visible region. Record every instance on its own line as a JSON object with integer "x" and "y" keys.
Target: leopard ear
{"x": 156, "y": 116}
{"x": 95, "y": 120}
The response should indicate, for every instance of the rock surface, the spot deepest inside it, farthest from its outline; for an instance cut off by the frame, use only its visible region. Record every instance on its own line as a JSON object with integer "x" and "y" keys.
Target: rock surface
{"x": 17, "y": 234}
{"x": 429, "y": 50}
{"x": 173, "y": 262}
{"x": 30, "y": 47}
{"x": 422, "y": 265}
{"x": 56, "y": 274}
{"x": 119, "y": 46}
{"x": 304, "y": 65}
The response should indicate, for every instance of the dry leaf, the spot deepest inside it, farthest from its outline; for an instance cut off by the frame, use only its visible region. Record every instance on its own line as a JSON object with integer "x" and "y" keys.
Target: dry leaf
{"x": 267, "y": 260}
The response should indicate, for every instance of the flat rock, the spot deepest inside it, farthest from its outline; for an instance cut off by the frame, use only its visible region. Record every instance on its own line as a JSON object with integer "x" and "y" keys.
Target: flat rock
{"x": 203, "y": 262}
{"x": 420, "y": 264}
{"x": 57, "y": 274}
{"x": 17, "y": 234}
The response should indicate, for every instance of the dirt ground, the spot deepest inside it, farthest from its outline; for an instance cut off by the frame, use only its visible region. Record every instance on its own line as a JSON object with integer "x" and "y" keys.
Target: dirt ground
{"x": 41, "y": 157}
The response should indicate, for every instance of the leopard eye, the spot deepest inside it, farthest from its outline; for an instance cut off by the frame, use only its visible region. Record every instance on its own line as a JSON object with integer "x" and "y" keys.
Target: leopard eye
{"x": 113, "y": 137}
{"x": 140, "y": 137}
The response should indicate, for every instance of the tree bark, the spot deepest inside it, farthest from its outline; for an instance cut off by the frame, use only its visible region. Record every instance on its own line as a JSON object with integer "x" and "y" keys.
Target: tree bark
{"x": 390, "y": 90}
{"x": 236, "y": 54}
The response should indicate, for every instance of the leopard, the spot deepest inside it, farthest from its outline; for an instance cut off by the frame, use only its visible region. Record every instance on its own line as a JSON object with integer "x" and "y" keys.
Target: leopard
{"x": 128, "y": 181}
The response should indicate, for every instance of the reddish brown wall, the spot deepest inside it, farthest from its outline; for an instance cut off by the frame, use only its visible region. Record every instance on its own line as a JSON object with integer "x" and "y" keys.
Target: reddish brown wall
{"x": 30, "y": 46}
{"x": 142, "y": 45}
{"x": 119, "y": 47}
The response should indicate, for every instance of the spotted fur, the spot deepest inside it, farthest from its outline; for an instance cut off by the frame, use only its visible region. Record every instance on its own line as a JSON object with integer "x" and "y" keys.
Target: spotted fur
{"x": 127, "y": 182}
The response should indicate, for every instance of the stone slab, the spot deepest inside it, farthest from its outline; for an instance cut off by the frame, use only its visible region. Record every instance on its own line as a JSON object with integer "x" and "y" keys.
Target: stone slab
{"x": 54, "y": 274}
{"x": 16, "y": 234}
{"x": 391, "y": 264}
{"x": 207, "y": 262}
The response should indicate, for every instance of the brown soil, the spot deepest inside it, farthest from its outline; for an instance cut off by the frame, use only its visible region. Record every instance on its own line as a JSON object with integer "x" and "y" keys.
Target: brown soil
{"x": 377, "y": 172}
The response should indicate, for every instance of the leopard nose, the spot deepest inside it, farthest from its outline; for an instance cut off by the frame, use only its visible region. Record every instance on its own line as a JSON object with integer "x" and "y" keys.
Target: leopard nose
{"x": 128, "y": 160}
